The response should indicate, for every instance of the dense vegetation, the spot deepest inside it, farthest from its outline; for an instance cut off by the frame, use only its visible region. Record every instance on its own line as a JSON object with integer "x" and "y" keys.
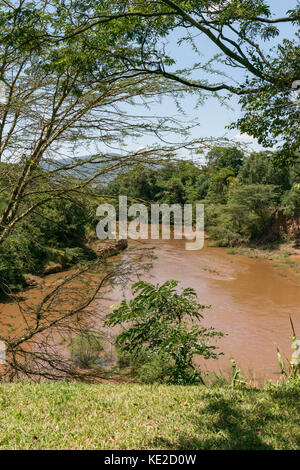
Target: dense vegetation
{"x": 56, "y": 232}
{"x": 243, "y": 194}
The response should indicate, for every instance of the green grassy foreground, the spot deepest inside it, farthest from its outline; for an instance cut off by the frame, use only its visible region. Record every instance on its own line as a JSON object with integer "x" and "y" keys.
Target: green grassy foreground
{"x": 82, "y": 416}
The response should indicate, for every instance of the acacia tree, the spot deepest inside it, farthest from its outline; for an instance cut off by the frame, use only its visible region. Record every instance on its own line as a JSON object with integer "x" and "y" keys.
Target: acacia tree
{"x": 65, "y": 88}
{"x": 244, "y": 37}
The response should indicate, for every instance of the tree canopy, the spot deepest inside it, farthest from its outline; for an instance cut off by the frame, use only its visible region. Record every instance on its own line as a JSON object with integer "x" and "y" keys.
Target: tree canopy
{"x": 245, "y": 39}
{"x": 64, "y": 84}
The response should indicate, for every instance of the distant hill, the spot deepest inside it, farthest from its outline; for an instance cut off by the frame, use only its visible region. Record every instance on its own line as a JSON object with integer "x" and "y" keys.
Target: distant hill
{"x": 84, "y": 170}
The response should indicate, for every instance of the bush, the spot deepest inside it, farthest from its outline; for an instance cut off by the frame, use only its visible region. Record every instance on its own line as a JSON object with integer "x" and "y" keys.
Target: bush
{"x": 146, "y": 368}
{"x": 86, "y": 348}
{"x": 166, "y": 323}
{"x": 77, "y": 255}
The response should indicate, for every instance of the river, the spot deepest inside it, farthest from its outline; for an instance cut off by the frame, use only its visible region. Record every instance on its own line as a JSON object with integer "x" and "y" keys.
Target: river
{"x": 251, "y": 300}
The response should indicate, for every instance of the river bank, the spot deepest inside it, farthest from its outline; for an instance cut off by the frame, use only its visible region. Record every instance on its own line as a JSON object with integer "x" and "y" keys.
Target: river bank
{"x": 251, "y": 299}
{"x": 102, "y": 249}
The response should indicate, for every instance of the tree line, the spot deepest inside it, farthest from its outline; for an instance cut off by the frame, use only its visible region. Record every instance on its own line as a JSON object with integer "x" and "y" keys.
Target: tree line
{"x": 72, "y": 73}
{"x": 242, "y": 193}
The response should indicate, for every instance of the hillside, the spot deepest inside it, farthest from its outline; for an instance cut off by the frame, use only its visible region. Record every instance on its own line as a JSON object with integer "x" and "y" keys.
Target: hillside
{"x": 102, "y": 416}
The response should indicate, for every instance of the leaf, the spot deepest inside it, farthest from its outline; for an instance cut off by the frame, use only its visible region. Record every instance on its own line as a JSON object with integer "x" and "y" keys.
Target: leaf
{"x": 281, "y": 362}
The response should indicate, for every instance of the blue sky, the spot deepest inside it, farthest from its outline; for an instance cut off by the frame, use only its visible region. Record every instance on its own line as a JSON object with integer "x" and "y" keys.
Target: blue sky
{"x": 211, "y": 117}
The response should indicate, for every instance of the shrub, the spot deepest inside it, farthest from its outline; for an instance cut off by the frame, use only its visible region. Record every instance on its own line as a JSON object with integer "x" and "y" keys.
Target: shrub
{"x": 86, "y": 348}
{"x": 146, "y": 368}
{"x": 166, "y": 323}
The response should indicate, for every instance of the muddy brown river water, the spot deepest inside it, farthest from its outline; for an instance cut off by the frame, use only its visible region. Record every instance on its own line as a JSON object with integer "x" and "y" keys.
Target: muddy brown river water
{"x": 251, "y": 300}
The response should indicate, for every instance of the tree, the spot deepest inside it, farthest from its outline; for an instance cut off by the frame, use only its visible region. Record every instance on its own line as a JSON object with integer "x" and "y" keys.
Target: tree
{"x": 251, "y": 208}
{"x": 138, "y": 182}
{"x": 65, "y": 88}
{"x": 224, "y": 157}
{"x": 180, "y": 182}
{"x": 244, "y": 215}
{"x": 55, "y": 233}
{"x": 65, "y": 91}
{"x": 240, "y": 33}
{"x": 258, "y": 168}
{"x": 219, "y": 184}
{"x": 162, "y": 321}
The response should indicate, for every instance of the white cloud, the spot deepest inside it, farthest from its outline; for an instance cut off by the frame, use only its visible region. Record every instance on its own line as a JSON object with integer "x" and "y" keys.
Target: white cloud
{"x": 244, "y": 137}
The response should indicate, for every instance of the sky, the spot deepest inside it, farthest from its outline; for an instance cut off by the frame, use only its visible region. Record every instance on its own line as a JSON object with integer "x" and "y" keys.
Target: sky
{"x": 211, "y": 118}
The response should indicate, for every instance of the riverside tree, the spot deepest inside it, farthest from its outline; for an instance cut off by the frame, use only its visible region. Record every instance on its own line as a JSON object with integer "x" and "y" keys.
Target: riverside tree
{"x": 64, "y": 92}
{"x": 251, "y": 57}
{"x": 161, "y": 321}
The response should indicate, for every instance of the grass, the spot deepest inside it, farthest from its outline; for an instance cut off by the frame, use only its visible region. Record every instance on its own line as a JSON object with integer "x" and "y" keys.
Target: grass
{"x": 210, "y": 270}
{"x": 102, "y": 416}
{"x": 260, "y": 253}
{"x": 283, "y": 257}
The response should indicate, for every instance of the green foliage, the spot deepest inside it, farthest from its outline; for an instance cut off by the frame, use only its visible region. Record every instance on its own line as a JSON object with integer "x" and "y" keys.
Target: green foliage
{"x": 251, "y": 208}
{"x": 15, "y": 259}
{"x": 145, "y": 366}
{"x": 270, "y": 114}
{"x": 181, "y": 182}
{"x": 86, "y": 348}
{"x": 154, "y": 370}
{"x": 163, "y": 321}
{"x": 226, "y": 157}
{"x": 241, "y": 193}
{"x": 237, "y": 378}
{"x": 219, "y": 184}
{"x": 261, "y": 168}
{"x": 291, "y": 201}
{"x": 247, "y": 215}
{"x": 54, "y": 232}
{"x": 139, "y": 182}
{"x": 219, "y": 226}
{"x": 172, "y": 182}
